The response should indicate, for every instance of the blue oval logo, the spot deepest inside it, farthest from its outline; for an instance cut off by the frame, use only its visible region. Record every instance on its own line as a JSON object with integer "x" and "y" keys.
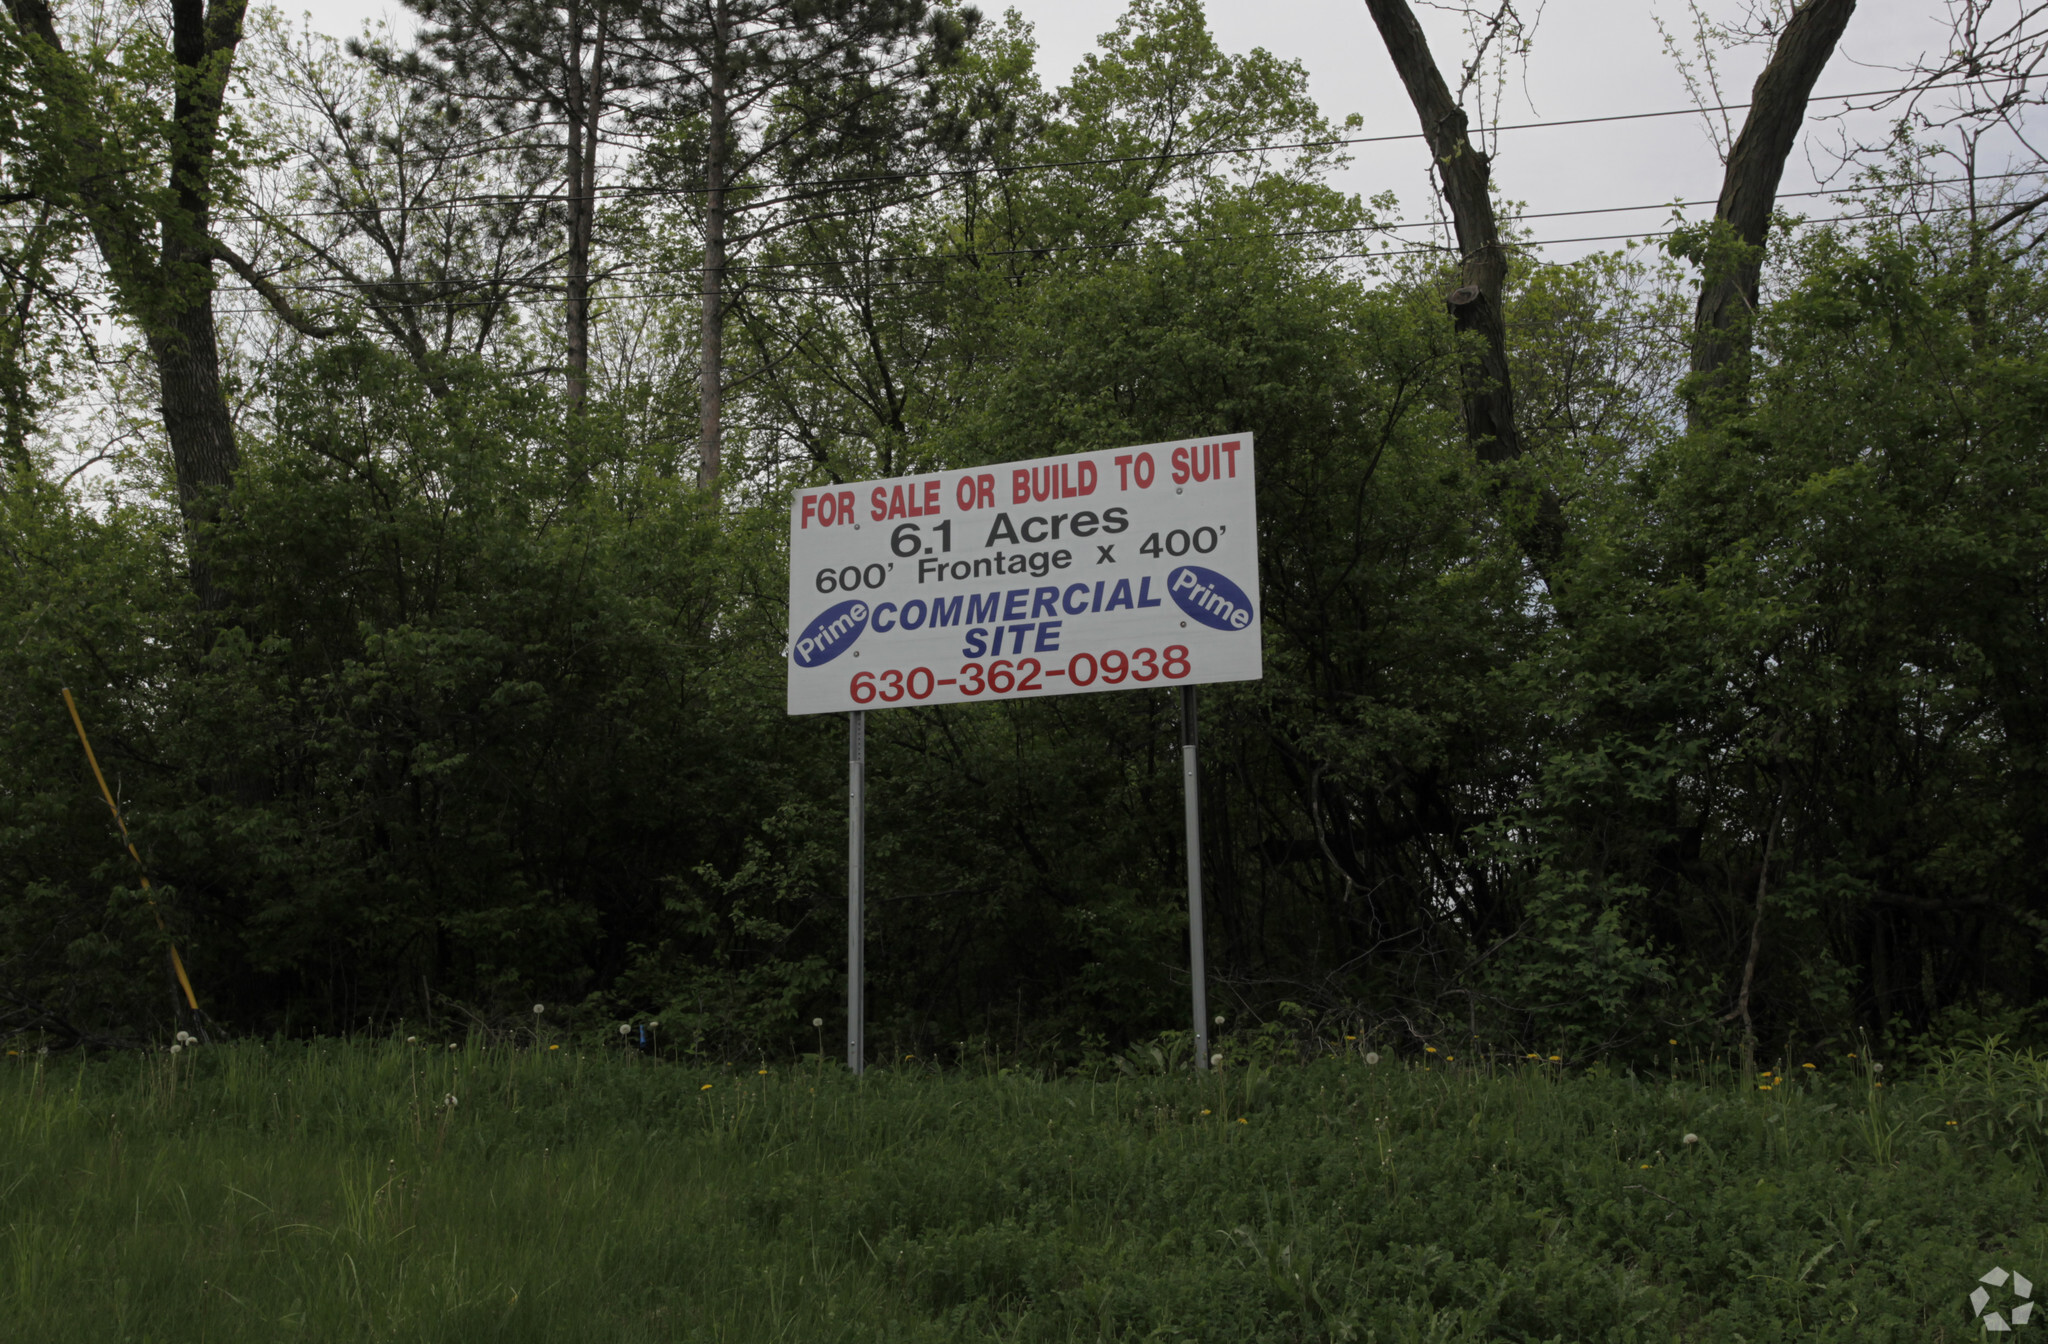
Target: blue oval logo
{"x": 1209, "y": 598}
{"x": 831, "y": 634}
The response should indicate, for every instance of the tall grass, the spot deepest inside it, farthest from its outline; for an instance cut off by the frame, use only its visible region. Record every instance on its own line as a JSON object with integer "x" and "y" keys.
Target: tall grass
{"x": 335, "y": 1191}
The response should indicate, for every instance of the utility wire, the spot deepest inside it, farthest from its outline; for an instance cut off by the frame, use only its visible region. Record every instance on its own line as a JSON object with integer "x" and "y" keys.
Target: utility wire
{"x": 1008, "y": 170}
{"x": 338, "y": 288}
{"x": 840, "y": 290}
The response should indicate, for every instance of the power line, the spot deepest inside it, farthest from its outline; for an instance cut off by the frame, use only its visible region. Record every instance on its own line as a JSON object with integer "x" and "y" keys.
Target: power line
{"x": 1006, "y": 170}
{"x": 827, "y": 290}
{"x": 331, "y": 287}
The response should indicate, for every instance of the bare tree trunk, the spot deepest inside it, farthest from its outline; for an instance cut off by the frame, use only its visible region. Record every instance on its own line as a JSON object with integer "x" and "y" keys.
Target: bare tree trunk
{"x": 201, "y": 433}
{"x": 195, "y": 408}
{"x": 1749, "y": 185}
{"x": 586, "y": 106}
{"x": 1477, "y": 304}
{"x": 710, "y": 383}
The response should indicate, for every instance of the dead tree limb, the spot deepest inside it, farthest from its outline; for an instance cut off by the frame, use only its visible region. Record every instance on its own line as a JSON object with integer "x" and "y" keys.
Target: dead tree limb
{"x": 1749, "y": 184}
{"x": 1477, "y": 304}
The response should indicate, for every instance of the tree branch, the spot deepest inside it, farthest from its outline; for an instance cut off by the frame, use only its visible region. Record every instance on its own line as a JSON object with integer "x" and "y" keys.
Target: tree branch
{"x": 1749, "y": 186}
{"x": 273, "y": 296}
{"x": 1477, "y": 306}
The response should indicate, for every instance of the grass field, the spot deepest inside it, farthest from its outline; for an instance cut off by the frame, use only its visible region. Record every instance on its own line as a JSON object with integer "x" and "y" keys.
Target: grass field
{"x": 386, "y": 1191}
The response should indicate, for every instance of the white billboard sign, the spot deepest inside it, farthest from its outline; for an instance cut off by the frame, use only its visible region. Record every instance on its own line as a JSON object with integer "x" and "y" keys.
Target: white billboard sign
{"x": 1106, "y": 571}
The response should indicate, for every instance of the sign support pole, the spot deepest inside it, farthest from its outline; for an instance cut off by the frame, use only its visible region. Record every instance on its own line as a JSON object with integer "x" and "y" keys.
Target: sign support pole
{"x": 856, "y": 886}
{"x": 1198, "y": 962}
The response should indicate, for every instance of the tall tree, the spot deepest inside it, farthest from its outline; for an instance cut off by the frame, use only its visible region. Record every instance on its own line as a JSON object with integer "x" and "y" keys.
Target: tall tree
{"x": 802, "y": 87}
{"x": 1749, "y": 183}
{"x": 145, "y": 186}
{"x": 1465, "y": 176}
{"x": 1728, "y": 292}
{"x": 438, "y": 245}
{"x": 553, "y": 78}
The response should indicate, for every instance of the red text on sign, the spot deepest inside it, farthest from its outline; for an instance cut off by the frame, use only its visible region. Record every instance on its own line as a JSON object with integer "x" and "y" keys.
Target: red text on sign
{"x": 829, "y": 507}
{"x": 915, "y": 500}
{"x": 1205, "y": 462}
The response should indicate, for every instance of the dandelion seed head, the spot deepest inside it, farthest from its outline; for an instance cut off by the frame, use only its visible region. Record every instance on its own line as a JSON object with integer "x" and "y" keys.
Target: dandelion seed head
{"x": 176, "y": 1048}
{"x": 1372, "y": 1056}
{"x": 1691, "y": 1138}
{"x": 1216, "y": 1060}
{"x": 449, "y": 1100}
{"x": 625, "y": 1028}
{"x": 817, "y": 1021}
{"x": 539, "y": 1008}
{"x": 1219, "y": 1019}
{"x": 412, "y": 1040}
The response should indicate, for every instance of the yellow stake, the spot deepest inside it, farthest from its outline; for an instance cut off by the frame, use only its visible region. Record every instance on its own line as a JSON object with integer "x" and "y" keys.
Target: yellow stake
{"x": 177, "y": 964}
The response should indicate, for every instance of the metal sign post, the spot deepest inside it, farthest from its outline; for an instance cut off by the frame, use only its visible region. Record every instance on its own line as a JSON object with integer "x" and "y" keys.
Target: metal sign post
{"x": 1198, "y": 961}
{"x": 856, "y": 885}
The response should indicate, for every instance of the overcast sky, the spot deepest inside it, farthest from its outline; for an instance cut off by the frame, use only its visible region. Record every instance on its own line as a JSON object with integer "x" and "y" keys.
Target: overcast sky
{"x": 1591, "y": 58}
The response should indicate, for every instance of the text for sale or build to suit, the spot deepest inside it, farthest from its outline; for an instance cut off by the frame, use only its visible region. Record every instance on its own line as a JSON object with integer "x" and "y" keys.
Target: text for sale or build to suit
{"x": 1103, "y": 571}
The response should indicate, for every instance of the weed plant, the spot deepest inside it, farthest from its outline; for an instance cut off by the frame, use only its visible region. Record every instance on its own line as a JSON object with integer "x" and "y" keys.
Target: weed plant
{"x": 404, "y": 1191}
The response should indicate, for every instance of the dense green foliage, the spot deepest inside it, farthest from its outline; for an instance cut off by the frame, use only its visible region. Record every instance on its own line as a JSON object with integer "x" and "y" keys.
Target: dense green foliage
{"x": 417, "y": 1192}
{"x": 493, "y": 711}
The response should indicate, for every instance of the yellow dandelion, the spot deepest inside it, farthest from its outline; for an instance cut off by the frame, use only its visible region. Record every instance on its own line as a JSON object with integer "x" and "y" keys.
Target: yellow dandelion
{"x": 1646, "y": 1166}
{"x": 1242, "y": 1121}
{"x": 1205, "y": 1113}
{"x": 1951, "y": 1122}
{"x": 1430, "y": 1048}
{"x": 1350, "y": 1038}
{"x": 764, "y": 1072}
{"x": 1555, "y": 1059}
{"x": 1763, "y": 1087}
{"x": 554, "y": 1047}
{"x": 1672, "y": 1041}
{"x": 705, "y": 1088}
{"x": 1807, "y": 1066}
